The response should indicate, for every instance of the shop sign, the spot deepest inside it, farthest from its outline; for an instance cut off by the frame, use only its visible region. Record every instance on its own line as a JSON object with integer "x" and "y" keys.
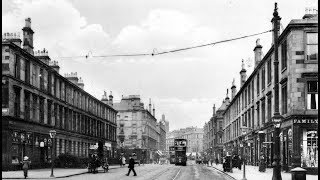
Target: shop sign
{"x": 305, "y": 121}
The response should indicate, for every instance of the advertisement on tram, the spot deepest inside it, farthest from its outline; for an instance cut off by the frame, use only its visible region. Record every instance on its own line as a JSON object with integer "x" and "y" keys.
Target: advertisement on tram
{"x": 180, "y": 146}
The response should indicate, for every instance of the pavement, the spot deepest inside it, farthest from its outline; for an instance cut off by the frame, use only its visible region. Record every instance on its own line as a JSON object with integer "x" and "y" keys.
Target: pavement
{"x": 45, "y": 173}
{"x": 252, "y": 173}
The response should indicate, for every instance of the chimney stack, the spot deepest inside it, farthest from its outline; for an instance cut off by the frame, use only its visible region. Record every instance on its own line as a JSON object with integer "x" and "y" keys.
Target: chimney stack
{"x": 111, "y": 99}
{"x": 80, "y": 82}
{"x": 257, "y": 53}
{"x": 154, "y": 111}
{"x": 214, "y": 109}
{"x": 233, "y": 89}
{"x": 43, "y": 56}
{"x": 12, "y": 37}
{"x": 72, "y": 77}
{"x": 243, "y": 75}
{"x": 227, "y": 97}
{"x": 28, "y": 36}
{"x": 150, "y": 105}
{"x": 104, "y": 98}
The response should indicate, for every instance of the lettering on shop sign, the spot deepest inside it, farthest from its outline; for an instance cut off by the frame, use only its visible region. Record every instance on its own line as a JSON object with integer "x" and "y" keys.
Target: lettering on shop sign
{"x": 305, "y": 121}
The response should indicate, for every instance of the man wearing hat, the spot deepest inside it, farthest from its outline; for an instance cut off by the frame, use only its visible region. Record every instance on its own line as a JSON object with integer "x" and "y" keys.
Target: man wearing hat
{"x": 131, "y": 166}
{"x": 25, "y": 166}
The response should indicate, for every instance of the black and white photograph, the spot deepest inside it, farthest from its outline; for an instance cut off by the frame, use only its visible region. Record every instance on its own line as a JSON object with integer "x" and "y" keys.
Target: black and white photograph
{"x": 160, "y": 89}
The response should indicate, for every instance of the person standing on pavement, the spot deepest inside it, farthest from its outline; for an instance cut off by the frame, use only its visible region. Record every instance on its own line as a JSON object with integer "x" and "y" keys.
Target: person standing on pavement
{"x": 123, "y": 161}
{"x": 25, "y": 166}
{"x": 131, "y": 166}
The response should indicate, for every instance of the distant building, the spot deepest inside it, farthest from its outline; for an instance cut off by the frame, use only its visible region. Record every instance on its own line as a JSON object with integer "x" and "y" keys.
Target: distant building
{"x": 193, "y": 135}
{"x": 137, "y": 126}
{"x": 37, "y": 99}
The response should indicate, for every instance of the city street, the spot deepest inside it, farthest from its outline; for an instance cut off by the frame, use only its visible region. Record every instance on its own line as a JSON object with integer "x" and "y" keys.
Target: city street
{"x": 159, "y": 172}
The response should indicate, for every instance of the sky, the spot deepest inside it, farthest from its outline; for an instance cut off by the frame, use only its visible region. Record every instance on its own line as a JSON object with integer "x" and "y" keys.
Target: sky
{"x": 184, "y": 85}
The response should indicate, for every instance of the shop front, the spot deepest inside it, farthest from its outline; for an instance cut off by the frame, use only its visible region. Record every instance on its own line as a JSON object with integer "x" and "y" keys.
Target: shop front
{"x": 299, "y": 143}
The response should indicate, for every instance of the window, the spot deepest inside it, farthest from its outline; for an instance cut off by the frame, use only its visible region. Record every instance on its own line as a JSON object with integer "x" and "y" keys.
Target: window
{"x": 258, "y": 114}
{"x": 258, "y": 81}
{"x": 17, "y": 102}
{"x": 34, "y": 106}
{"x": 249, "y": 118}
{"x": 263, "y": 111}
{"x": 41, "y": 110}
{"x": 309, "y": 148}
{"x": 312, "y": 46}
{"x": 269, "y": 113}
{"x": 269, "y": 71}
{"x": 56, "y": 117}
{"x": 27, "y": 105}
{"x": 312, "y": 97}
{"x": 34, "y": 75}
{"x": 49, "y": 112}
{"x": 27, "y": 71}
{"x": 252, "y": 125}
{"x": 263, "y": 78}
{"x": 249, "y": 98}
{"x": 284, "y": 55}
{"x": 17, "y": 67}
{"x": 5, "y": 94}
{"x": 49, "y": 83}
{"x": 245, "y": 97}
{"x": 284, "y": 99}
{"x": 41, "y": 79}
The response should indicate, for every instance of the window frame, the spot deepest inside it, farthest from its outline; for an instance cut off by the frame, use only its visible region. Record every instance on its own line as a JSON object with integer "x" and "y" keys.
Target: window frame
{"x": 306, "y": 45}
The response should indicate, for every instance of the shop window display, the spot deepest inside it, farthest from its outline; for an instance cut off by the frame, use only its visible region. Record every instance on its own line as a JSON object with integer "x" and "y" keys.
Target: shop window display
{"x": 309, "y": 148}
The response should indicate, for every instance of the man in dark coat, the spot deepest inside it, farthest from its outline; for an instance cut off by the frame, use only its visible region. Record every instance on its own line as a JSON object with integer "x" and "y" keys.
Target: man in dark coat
{"x": 131, "y": 166}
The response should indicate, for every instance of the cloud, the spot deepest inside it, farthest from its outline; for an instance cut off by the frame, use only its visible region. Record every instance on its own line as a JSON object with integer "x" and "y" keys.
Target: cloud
{"x": 163, "y": 29}
{"x": 58, "y": 27}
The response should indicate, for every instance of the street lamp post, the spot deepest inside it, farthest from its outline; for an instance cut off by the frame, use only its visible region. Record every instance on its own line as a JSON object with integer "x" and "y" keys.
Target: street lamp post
{"x": 52, "y": 134}
{"x": 276, "y": 116}
{"x": 243, "y": 156}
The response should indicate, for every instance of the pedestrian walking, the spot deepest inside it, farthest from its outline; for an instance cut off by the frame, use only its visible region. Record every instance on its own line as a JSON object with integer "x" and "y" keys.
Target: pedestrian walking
{"x": 123, "y": 161}
{"x": 131, "y": 166}
{"x": 240, "y": 161}
{"x": 25, "y": 166}
{"x": 106, "y": 165}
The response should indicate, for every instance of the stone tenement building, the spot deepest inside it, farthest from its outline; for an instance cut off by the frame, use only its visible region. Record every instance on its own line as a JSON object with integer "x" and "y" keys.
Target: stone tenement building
{"x": 162, "y": 135}
{"x": 249, "y": 115}
{"x": 213, "y": 132}
{"x": 137, "y": 127}
{"x": 37, "y": 99}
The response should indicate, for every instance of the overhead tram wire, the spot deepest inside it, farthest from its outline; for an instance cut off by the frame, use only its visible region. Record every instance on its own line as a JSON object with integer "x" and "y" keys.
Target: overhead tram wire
{"x": 170, "y": 51}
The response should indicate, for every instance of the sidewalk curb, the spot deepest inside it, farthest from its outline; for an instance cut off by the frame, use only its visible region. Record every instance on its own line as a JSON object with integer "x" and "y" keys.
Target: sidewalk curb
{"x": 224, "y": 173}
{"x": 56, "y": 177}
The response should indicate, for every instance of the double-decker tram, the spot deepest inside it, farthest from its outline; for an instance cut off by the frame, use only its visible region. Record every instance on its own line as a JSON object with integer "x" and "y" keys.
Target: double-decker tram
{"x": 171, "y": 154}
{"x": 180, "y": 147}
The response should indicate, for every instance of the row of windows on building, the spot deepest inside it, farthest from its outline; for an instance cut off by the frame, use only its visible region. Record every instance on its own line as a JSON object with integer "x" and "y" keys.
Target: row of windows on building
{"x": 264, "y": 115}
{"x": 60, "y": 116}
{"x": 249, "y": 121}
{"x": 248, "y": 93}
{"x": 49, "y": 82}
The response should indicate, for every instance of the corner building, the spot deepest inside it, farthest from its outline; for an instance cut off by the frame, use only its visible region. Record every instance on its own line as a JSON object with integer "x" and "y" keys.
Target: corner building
{"x": 248, "y": 128}
{"x": 37, "y": 99}
{"x": 137, "y": 128}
